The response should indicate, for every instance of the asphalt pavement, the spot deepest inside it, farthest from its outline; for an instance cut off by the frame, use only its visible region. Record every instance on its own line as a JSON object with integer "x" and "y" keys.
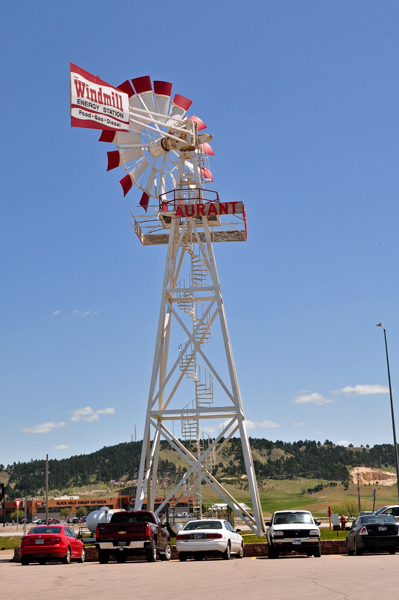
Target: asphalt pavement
{"x": 331, "y": 577}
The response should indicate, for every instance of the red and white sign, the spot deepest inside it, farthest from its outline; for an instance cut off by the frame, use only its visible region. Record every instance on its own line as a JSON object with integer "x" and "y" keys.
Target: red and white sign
{"x": 209, "y": 209}
{"x": 97, "y": 105}
{"x": 18, "y": 502}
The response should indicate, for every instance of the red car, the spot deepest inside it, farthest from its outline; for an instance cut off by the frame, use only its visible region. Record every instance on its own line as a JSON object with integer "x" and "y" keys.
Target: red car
{"x": 50, "y": 542}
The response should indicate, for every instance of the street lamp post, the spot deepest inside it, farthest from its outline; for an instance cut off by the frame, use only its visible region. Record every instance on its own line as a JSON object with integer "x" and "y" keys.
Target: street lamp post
{"x": 392, "y": 413}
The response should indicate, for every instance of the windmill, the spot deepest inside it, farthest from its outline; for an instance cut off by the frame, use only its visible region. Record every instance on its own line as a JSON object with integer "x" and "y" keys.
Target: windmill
{"x": 164, "y": 152}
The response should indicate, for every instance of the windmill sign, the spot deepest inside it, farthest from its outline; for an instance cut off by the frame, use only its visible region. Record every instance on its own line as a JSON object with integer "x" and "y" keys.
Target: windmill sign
{"x": 97, "y": 105}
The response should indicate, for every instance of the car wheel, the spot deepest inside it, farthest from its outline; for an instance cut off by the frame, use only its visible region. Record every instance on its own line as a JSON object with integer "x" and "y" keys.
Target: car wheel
{"x": 317, "y": 552}
{"x": 182, "y": 556}
{"x": 351, "y": 552}
{"x": 272, "y": 552}
{"x": 24, "y": 561}
{"x": 227, "y": 553}
{"x": 391, "y": 550}
{"x": 120, "y": 557}
{"x": 167, "y": 555}
{"x": 42, "y": 561}
{"x": 240, "y": 554}
{"x": 357, "y": 550}
{"x": 67, "y": 558}
{"x": 103, "y": 557}
{"x": 82, "y": 556}
{"x": 152, "y": 553}
{"x": 309, "y": 553}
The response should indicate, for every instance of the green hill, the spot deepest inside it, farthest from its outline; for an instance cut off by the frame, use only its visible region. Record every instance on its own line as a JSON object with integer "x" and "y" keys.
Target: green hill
{"x": 272, "y": 460}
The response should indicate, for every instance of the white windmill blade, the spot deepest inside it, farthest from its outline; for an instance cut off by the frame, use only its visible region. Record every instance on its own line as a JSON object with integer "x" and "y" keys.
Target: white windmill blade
{"x": 143, "y": 89}
{"x": 132, "y": 177}
{"x": 116, "y": 158}
{"x": 150, "y": 183}
{"x": 120, "y": 137}
{"x": 162, "y": 92}
{"x": 180, "y": 106}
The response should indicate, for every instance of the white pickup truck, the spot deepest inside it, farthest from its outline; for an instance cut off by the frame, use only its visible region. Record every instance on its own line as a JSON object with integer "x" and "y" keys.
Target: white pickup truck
{"x": 293, "y": 530}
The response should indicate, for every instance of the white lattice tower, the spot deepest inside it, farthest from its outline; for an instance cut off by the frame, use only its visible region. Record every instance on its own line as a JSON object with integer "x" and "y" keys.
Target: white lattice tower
{"x": 164, "y": 155}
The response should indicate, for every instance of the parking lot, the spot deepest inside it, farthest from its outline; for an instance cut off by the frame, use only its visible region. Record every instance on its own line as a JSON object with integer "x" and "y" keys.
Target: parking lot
{"x": 301, "y": 578}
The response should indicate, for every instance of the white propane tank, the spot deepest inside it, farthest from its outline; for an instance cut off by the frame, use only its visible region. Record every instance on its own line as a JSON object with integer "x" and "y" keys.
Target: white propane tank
{"x": 103, "y": 515}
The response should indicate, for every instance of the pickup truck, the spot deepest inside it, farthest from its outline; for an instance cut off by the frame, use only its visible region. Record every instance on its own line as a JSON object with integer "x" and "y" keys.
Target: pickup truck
{"x": 133, "y": 533}
{"x": 293, "y": 530}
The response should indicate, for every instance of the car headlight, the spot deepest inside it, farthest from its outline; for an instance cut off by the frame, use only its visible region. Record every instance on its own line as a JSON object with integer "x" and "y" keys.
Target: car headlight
{"x": 314, "y": 532}
{"x": 278, "y": 533}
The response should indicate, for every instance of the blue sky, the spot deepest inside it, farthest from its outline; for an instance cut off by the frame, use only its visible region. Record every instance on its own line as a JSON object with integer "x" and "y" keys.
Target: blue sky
{"x": 302, "y": 99}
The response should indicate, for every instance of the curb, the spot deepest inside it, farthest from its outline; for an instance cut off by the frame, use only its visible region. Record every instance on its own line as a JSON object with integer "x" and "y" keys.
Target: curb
{"x": 250, "y": 550}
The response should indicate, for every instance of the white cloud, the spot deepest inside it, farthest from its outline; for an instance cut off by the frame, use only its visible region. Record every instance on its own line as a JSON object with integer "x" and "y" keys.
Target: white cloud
{"x": 298, "y": 424}
{"x": 85, "y": 313}
{"x": 264, "y": 424}
{"x": 88, "y": 414}
{"x": 362, "y": 390}
{"x": 44, "y": 427}
{"x": 209, "y": 429}
{"x": 56, "y": 313}
{"x": 312, "y": 399}
{"x": 105, "y": 411}
{"x": 343, "y": 443}
{"x": 61, "y": 447}
{"x": 319, "y": 432}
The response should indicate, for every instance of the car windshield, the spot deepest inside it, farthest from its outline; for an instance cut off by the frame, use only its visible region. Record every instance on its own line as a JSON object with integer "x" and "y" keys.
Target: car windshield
{"x": 132, "y": 517}
{"x": 45, "y": 530}
{"x": 288, "y": 518}
{"x": 203, "y": 525}
{"x": 376, "y": 519}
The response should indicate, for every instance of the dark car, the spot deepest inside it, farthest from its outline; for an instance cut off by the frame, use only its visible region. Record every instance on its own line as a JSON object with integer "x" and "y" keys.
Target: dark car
{"x": 373, "y": 533}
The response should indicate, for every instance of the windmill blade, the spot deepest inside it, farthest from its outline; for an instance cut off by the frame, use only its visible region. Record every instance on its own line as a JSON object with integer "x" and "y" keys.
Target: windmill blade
{"x": 200, "y": 124}
{"x": 126, "y": 87}
{"x": 131, "y": 178}
{"x": 162, "y": 91}
{"x": 206, "y": 173}
{"x": 143, "y": 87}
{"x": 150, "y": 183}
{"x": 180, "y": 106}
{"x": 122, "y": 157}
{"x": 120, "y": 137}
{"x": 144, "y": 201}
{"x": 206, "y": 149}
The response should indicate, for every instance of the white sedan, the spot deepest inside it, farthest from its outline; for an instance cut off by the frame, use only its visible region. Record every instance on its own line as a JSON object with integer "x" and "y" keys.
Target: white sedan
{"x": 209, "y": 537}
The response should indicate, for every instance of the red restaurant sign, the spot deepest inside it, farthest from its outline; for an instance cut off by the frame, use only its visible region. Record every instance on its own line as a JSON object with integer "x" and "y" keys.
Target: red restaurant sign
{"x": 208, "y": 209}
{"x": 97, "y": 105}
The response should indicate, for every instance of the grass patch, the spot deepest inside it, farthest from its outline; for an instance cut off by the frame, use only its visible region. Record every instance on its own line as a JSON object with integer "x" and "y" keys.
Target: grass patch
{"x": 326, "y": 534}
{"x": 9, "y": 543}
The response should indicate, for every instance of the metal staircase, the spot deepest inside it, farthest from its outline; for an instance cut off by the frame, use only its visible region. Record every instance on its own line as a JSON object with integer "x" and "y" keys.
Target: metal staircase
{"x": 188, "y": 365}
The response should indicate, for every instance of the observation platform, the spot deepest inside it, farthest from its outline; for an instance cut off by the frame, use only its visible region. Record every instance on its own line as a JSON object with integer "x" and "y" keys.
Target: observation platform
{"x": 226, "y": 220}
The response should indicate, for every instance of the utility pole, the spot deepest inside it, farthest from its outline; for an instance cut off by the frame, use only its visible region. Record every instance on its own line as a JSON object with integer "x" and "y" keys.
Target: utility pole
{"x": 358, "y": 492}
{"x": 395, "y": 445}
{"x": 46, "y": 489}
